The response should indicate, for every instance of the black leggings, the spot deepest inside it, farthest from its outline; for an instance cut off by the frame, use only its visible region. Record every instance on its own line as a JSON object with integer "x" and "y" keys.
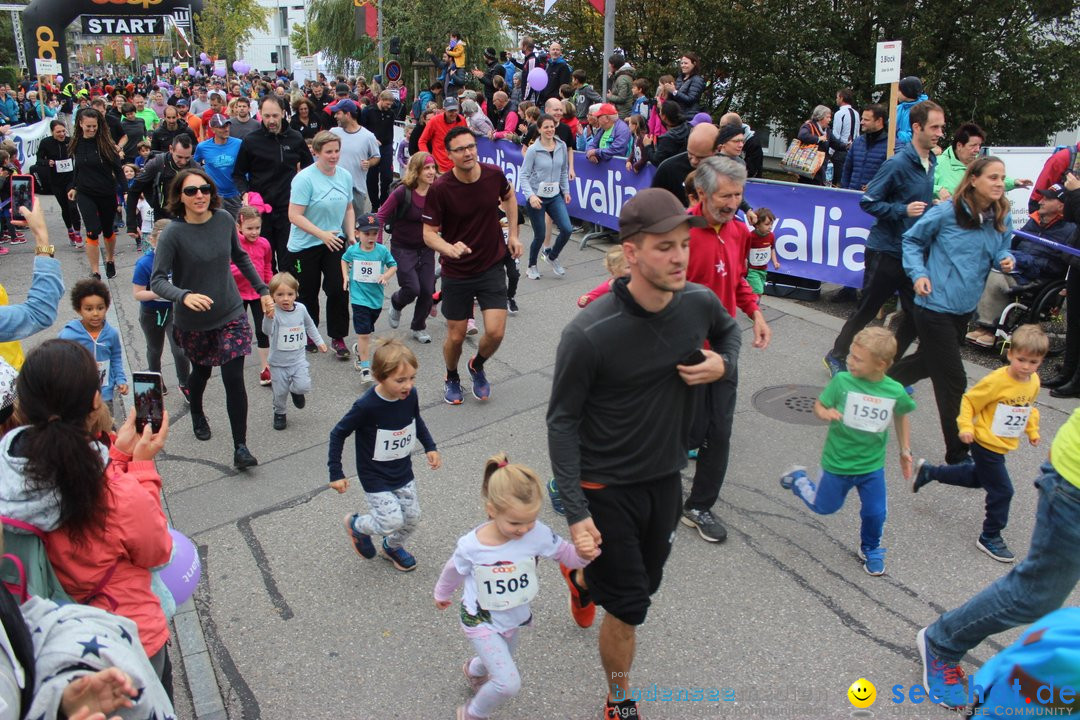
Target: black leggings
{"x": 261, "y": 338}
{"x": 99, "y": 214}
{"x": 236, "y": 402}
{"x": 69, "y": 211}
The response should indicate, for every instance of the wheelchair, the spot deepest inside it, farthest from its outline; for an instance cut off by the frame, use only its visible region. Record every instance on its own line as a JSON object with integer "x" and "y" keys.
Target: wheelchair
{"x": 1041, "y": 303}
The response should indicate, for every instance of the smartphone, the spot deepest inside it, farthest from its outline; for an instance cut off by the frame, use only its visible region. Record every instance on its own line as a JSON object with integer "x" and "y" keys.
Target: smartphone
{"x": 22, "y": 195}
{"x": 694, "y": 358}
{"x": 149, "y": 400}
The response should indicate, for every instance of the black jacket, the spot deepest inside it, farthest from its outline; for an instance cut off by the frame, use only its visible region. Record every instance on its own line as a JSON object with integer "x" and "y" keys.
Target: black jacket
{"x": 493, "y": 69}
{"x": 153, "y": 184}
{"x": 267, "y": 163}
{"x": 50, "y": 149}
{"x": 161, "y": 139}
{"x": 95, "y": 175}
{"x": 671, "y": 143}
{"x": 558, "y": 73}
{"x": 380, "y": 122}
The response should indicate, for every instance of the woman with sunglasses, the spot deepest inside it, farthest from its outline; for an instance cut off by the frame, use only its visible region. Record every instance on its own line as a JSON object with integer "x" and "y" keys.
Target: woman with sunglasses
{"x": 191, "y": 268}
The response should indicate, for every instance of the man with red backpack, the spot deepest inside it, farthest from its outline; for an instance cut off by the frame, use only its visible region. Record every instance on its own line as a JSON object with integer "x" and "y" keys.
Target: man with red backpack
{"x": 1061, "y": 163}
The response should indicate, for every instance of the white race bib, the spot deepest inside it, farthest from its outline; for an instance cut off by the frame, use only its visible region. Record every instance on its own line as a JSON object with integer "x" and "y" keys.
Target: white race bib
{"x": 366, "y": 271}
{"x": 1010, "y": 421}
{"x": 65, "y": 165}
{"x": 292, "y": 338}
{"x": 760, "y": 256}
{"x": 103, "y": 372}
{"x": 394, "y": 444}
{"x": 506, "y": 586}
{"x": 548, "y": 189}
{"x": 869, "y": 413}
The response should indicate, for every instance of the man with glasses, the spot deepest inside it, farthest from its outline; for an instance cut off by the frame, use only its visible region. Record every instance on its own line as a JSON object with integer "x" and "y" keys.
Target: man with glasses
{"x": 461, "y": 223}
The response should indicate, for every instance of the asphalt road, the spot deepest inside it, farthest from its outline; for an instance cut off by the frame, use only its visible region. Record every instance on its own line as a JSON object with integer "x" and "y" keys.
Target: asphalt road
{"x": 778, "y": 621}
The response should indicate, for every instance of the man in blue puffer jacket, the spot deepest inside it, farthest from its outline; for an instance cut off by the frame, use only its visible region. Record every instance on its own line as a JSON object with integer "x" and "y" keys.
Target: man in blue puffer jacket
{"x": 867, "y": 153}
{"x": 901, "y": 191}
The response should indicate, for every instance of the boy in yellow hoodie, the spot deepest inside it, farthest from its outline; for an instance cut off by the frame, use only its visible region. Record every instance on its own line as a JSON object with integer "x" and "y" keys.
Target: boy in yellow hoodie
{"x": 993, "y": 415}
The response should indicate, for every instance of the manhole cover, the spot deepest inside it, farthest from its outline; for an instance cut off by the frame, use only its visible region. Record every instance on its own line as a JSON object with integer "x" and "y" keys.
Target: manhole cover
{"x": 789, "y": 403}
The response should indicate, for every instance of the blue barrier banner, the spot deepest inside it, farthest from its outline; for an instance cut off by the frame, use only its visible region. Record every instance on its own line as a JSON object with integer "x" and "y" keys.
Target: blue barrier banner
{"x": 820, "y": 232}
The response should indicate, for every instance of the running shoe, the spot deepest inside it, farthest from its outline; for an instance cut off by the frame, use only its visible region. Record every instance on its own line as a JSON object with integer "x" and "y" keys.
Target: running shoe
{"x": 708, "y": 525}
{"x": 833, "y": 364}
{"x": 532, "y": 273}
{"x": 200, "y": 426}
{"x": 453, "y": 394}
{"x": 360, "y": 542}
{"x": 110, "y": 269}
{"x": 338, "y": 346}
{"x": 470, "y": 327}
{"x": 18, "y": 239}
{"x": 402, "y": 558}
{"x": 921, "y": 476}
{"x": 943, "y": 680}
{"x": 394, "y": 317}
{"x": 582, "y": 608}
{"x": 421, "y": 336}
{"x": 298, "y": 400}
{"x": 481, "y": 388}
{"x": 624, "y": 710}
{"x": 511, "y": 306}
{"x": 280, "y": 421}
{"x": 243, "y": 459}
{"x": 264, "y": 377}
{"x": 365, "y": 375}
{"x": 356, "y": 363}
{"x": 556, "y": 266}
{"x": 311, "y": 346}
{"x": 873, "y": 560}
{"x": 996, "y": 548}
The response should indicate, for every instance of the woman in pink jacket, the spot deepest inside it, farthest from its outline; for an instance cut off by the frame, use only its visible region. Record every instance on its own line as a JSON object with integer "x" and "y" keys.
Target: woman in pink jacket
{"x": 99, "y": 505}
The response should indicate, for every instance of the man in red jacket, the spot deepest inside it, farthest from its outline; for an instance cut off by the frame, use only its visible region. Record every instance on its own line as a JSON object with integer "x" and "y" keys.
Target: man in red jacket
{"x": 718, "y": 255}
{"x": 433, "y": 138}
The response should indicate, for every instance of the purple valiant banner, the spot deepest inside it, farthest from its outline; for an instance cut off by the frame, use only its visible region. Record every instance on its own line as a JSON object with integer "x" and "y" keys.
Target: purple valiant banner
{"x": 819, "y": 231}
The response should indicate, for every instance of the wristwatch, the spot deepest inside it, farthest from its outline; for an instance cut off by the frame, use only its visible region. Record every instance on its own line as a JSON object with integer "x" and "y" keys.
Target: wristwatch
{"x": 49, "y": 250}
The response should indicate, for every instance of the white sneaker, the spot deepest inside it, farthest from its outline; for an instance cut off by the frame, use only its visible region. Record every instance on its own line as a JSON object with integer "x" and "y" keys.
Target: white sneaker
{"x": 532, "y": 273}
{"x": 470, "y": 328}
{"x": 395, "y": 317}
{"x": 556, "y": 266}
{"x": 421, "y": 336}
{"x": 365, "y": 375}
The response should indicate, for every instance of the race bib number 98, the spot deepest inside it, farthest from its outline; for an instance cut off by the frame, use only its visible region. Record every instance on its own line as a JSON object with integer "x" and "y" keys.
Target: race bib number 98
{"x": 366, "y": 271}
{"x": 506, "y": 586}
{"x": 869, "y": 413}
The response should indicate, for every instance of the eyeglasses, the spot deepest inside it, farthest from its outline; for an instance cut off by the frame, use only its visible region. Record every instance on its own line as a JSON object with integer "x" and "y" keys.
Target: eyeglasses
{"x": 464, "y": 148}
{"x": 193, "y": 190}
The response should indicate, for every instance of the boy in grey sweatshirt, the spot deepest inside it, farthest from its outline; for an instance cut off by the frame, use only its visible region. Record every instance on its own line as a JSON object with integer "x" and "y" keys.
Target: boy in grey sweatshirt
{"x": 289, "y": 331}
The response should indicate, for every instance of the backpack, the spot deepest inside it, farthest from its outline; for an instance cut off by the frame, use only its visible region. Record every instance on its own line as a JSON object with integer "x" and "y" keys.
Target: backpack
{"x": 25, "y": 569}
{"x": 403, "y": 206}
{"x": 1045, "y": 659}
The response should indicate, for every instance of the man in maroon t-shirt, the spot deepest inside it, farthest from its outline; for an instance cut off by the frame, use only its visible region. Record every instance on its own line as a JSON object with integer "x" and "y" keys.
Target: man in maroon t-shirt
{"x": 461, "y": 223}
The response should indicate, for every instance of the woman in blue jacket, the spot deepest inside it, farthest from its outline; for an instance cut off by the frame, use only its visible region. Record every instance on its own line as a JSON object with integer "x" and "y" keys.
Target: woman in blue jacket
{"x": 947, "y": 255}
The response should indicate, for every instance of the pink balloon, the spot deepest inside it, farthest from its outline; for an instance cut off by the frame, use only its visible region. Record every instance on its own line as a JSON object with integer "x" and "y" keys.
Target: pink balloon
{"x": 538, "y": 78}
{"x": 182, "y": 573}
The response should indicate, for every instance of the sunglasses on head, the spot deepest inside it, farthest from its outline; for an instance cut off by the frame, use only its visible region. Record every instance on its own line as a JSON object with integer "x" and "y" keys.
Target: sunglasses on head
{"x": 193, "y": 190}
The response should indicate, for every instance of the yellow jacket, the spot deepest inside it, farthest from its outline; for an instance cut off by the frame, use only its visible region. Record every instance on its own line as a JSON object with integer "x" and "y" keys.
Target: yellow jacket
{"x": 981, "y": 403}
{"x": 457, "y": 54}
{"x": 10, "y": 351}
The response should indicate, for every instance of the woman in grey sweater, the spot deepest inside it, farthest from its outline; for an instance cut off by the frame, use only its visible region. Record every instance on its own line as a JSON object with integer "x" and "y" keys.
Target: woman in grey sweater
{"x": 191, "y": 268}
{"x": 545, "y": 183}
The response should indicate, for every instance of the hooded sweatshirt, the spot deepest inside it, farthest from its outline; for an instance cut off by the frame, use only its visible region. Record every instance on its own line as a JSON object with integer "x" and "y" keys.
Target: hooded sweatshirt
{"x": 107, "y": 350}
{"x": 133, "y": 537}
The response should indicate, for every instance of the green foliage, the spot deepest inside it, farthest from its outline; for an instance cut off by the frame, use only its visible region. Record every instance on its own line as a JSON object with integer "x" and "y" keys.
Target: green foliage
{"x": 419, "y": 23}
{"x": 1006, "y": 64}
{"x": 9, "y": 74}
{"x": 224, "y": 25}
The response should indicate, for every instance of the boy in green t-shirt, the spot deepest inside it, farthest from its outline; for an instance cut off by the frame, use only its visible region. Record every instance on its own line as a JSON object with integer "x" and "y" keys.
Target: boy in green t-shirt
{"x": 366, "y": 267}
{"x": 858, "y": 404}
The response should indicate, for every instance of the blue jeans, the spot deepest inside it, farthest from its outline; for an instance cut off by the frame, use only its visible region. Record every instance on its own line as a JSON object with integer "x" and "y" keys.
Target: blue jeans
{"x": 1038, "y": 585}
{"x": 556, "y": 207}
{"x": 827, "y": 496}
{"x": 987, "y": 472}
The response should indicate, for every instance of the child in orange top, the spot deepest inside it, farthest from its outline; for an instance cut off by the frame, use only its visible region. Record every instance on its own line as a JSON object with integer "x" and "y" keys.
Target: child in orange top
{"x": 993, "y": 415}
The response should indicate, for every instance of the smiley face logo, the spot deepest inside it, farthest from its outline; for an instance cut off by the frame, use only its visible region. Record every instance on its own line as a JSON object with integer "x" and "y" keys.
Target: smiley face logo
{"x": 862, "y": 693}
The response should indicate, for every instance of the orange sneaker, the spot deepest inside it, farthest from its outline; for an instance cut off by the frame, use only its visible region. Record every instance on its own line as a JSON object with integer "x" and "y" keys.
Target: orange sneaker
{"x": 581, "y": 605}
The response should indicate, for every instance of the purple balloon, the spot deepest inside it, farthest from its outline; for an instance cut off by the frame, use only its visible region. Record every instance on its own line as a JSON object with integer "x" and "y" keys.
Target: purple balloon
{"x": 538, "y": 78}
{"x": 191, "y": 71}
{"x": 59, "y": 78}
{"x": 177, "y": 70}
{"x": 236, "y": 65}
{"x": 204, "y": 57}
{"x": 182, "y": 573}
{"x": 220, "y": 72}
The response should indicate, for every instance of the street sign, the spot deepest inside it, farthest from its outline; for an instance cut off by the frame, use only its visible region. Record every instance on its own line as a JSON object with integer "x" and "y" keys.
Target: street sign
{"x": 887, "y": 64}
{"x": 392, "y": 71}
{"x": 309, "y": 63}
{"x": 221, "y": 64}
{"x": 46, "y": 67}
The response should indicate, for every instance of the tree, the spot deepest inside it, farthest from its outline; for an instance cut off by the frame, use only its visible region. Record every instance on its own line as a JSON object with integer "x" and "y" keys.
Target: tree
{"x": 224, "y": 25}
{"x": 1005, "y": 64}
{"x": 419, "y": 23}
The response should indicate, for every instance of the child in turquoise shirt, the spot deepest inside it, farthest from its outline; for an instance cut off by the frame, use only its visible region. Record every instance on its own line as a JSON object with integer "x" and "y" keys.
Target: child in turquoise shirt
{"x": 366, "y": 267}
